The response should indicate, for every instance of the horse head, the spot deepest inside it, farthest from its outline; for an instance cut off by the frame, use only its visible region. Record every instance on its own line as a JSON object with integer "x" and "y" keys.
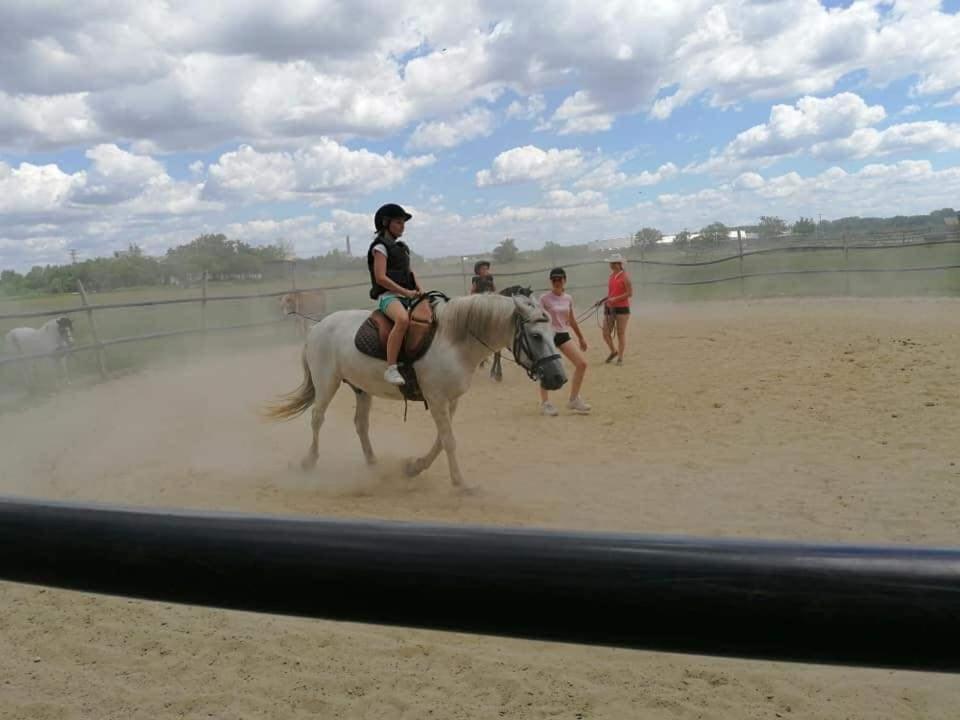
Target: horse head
{"x": 533, "y": 345}
{"x": 288, "y": 304}
{"x": 515, "y": 290}
{"x": 65, "y": 331}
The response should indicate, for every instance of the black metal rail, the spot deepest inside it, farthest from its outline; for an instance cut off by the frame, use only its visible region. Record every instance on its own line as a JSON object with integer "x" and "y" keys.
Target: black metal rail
{"x": 875, "y": 606}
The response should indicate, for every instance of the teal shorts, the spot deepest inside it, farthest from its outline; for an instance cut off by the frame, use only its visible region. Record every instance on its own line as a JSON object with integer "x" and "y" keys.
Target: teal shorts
{"x": 383, "y": 302}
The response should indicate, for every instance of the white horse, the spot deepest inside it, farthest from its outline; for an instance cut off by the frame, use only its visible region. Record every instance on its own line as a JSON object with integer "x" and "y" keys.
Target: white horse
{"x": 468, "y": 329}
{"x": 54, "y": 336}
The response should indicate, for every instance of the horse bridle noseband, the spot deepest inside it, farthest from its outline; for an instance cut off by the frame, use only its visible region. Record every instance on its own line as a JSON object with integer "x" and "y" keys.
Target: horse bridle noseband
{"x": 521, "y": 346}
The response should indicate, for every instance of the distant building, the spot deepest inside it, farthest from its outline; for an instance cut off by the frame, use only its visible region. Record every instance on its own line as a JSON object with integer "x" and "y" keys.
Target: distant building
{"x": 610, "y": 244}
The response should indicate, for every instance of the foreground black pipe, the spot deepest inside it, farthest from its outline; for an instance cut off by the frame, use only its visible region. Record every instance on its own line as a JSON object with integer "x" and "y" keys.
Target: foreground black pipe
{"x": 889, "y": 607}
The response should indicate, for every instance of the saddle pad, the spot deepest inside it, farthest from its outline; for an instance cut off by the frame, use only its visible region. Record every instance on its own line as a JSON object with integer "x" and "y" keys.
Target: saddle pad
{"x": 367, "y": 340}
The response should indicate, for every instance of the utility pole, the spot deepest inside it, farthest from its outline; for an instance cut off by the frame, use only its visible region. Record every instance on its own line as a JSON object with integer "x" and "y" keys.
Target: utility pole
{"x": 348, "y": 247}
{"x": 73, "y": 256}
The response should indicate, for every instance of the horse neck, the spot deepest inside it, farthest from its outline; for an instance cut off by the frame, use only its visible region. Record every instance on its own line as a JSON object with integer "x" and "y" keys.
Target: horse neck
{"x": 497, "y": 329}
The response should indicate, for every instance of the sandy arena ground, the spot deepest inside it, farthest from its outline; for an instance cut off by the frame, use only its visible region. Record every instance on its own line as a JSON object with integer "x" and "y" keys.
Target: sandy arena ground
{"x": 824, "y": 420}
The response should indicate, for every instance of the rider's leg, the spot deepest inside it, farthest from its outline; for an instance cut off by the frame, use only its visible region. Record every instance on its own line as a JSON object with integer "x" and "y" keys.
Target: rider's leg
{"x": 401, "y": 320}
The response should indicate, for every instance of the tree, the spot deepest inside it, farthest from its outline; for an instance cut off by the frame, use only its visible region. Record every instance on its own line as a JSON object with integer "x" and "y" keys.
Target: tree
{"x": 804, "y": 226}
{"x": 506, "y": 251}
{"x": 647, "y": 237}
{"x": 771, "y": 226}
{"x": 714, "y": 233}
{"x": 682, "y": 239}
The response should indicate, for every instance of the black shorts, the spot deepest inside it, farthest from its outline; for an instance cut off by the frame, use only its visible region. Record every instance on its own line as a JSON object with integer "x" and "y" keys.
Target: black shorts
{"x": 616, "y": 311}
{"x": 560, "y": 338}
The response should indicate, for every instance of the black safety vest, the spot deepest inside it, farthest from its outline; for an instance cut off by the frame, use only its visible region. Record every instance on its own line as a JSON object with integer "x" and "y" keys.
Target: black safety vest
{"x": 483, "y": 284}
{"x": 398, "y": 265}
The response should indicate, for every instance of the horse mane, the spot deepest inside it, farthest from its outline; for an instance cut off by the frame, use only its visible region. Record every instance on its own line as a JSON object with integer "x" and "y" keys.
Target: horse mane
{"x": 479, "y": 315}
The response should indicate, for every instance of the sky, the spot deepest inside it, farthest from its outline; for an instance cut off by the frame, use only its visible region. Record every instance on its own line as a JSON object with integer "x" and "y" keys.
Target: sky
{"x": 154, "y": 122}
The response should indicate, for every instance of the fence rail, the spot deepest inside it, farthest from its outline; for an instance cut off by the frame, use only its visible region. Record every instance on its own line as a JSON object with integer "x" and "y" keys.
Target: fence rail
{"x": 838, "y": 604}
{"x": 638, "y": 260}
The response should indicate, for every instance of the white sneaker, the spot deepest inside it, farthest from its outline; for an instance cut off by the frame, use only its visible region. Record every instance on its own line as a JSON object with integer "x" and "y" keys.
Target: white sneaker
{"x": 578, "y": 405}
{"x": 547, "y": 408}
{"x": 393, "y": 376}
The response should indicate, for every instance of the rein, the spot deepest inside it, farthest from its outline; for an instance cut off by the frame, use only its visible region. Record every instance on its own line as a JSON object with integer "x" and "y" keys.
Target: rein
{"x": 521, "y": 345}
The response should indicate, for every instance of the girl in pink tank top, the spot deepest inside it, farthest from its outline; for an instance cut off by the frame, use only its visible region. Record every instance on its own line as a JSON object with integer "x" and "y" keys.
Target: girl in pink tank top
{"x": 559, "y": 306}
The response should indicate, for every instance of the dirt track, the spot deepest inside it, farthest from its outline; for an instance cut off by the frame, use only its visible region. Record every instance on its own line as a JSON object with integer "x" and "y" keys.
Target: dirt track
{"x": 813, "y": 419}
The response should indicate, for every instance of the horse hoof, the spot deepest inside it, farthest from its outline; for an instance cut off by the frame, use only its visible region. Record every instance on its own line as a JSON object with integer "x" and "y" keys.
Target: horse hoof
{"x": 308, "y": 464}
{"x": 410, "y": 468}
{"x": 468, "y": 490}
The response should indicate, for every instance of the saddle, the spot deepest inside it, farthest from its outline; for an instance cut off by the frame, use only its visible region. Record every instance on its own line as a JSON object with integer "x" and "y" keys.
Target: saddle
{"x": 371, "y": 340}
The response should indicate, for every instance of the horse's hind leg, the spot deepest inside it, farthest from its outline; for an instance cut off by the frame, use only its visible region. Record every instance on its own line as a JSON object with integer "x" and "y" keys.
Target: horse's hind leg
{"x": 361, "y": 420}
{"x": 325, "y": 391}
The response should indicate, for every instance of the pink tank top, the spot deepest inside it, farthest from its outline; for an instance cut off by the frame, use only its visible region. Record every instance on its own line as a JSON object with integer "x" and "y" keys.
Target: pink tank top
{"x": 558, "y": 308}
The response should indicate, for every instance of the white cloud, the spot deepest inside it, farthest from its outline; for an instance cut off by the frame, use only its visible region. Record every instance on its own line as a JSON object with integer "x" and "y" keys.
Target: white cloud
{"x": 876, "y": 190}
{"x": 792, "y": 129}
{"x": 953, "y": 101}
{"x": 320, "y": 173}
{"x": 580, "y": 113}
{"x": 932, "y": 136}
{"x": 165, "y": 72}
{"x": 476, "y": 123}
{"x": 36, "y": 188}
{"x": 46, "y": 121}
{"x": 309, "y": 234}
{"x": 529, "y": 110}
{"x": 118, "y": 175}
{"x": 531, "y": 164}
{"x": 567, "y": 199}
{"x": 608, "y": 176}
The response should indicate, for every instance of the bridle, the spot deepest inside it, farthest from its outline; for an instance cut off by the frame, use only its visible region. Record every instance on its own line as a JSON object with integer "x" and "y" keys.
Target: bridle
{"x": 521, "y": 347}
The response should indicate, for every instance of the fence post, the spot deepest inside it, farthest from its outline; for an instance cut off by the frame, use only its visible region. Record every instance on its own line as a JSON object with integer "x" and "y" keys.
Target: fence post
{"x": 743, "y": 289}
{"x": 293, "y": 275}
{"x": 463, "y": 272}
{"x": 846, "y": 264}
{"x": 101, "y": 361}
{"x": 203, "y": 303}
{"x": 640, "y": 271}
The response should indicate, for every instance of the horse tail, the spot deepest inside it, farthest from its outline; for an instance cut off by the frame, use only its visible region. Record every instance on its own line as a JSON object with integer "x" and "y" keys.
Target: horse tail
{"x": 297, "y": 402}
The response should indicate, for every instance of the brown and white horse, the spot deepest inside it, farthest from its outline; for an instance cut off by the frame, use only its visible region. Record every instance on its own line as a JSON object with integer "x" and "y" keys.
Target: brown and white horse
{"x": 307, "y": 307}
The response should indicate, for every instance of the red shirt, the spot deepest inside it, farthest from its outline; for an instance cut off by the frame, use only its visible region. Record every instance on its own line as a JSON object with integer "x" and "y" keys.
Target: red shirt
{"x": 617, "y": 285}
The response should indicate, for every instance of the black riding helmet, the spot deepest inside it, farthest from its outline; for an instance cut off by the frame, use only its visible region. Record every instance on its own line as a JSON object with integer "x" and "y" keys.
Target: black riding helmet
{"x": 389, "y": 211}
{"x": 558, "y": 272}
{"x": 479, "y": 264}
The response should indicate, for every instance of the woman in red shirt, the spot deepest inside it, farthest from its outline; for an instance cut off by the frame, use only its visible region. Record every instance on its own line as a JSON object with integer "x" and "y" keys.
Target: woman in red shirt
{"x": 616, "y": 308}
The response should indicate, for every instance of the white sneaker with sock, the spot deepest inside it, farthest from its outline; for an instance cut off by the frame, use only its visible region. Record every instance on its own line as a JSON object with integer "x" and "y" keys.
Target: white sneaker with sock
{"x": 393, "y": 376}
{"x": 547, "y": 408}
{"x": 578, "y": 405}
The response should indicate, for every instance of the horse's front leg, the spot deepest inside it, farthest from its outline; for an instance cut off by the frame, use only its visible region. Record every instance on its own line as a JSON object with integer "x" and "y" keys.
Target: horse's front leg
{"x": 414, "y": 467}
{"x": 64, "y": 374}
{"x": 444, "y": 420}
{"x": 361, "y": 421}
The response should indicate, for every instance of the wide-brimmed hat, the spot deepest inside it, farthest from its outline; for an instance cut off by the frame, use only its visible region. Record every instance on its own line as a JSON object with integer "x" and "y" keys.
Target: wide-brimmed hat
{"x": 616, "y": 258}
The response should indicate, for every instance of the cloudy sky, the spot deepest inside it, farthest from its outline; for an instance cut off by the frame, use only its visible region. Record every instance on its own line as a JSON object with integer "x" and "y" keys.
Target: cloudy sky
{"x": 153, "y": 122}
